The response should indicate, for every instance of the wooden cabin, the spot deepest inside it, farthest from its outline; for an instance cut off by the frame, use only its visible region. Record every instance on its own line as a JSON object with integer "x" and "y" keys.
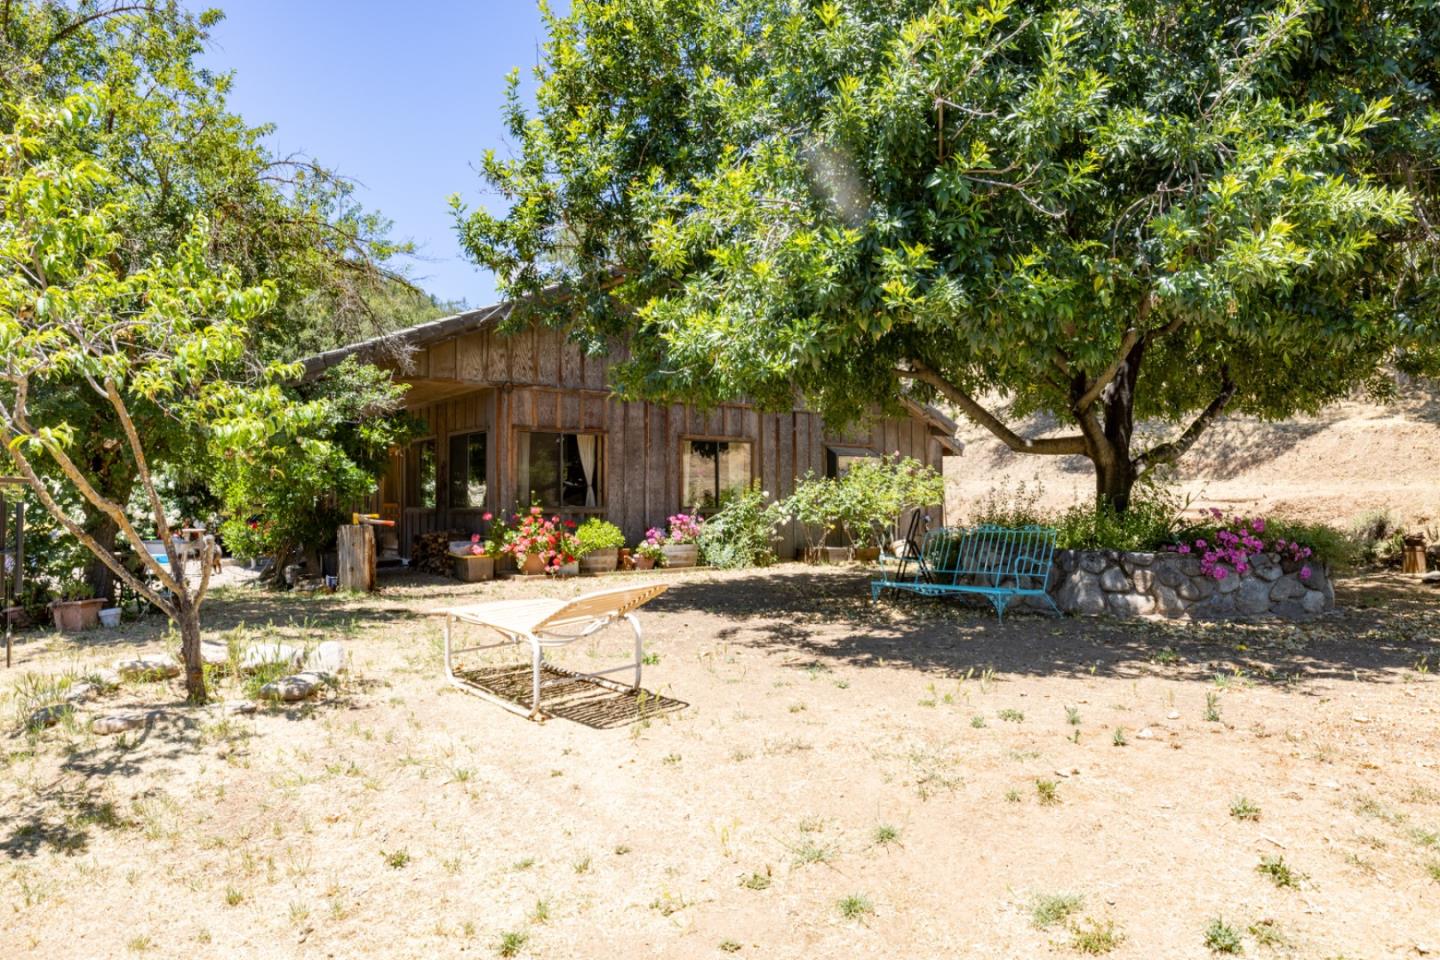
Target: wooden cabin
{"x": 516, "y": 416}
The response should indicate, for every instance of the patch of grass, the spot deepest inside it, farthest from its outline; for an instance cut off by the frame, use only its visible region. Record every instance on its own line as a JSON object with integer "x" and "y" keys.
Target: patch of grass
{"x": 1012, "y": 795}
{"x": 1118, "y": 739}
{"x": 729, "y": 946}
{"x": 1011, "y": 715}
{"x": 582, "y": 865}
{"x": 808, "y": 852}
{"x": 671, "y": 759}
{"x": 234, "y": 897}
{"x": 668, "y": 903}
{"x": 1072, "y": 716}
{"x": 1280, "y": 873}
{"x": 1212, "y": 706}
{"x": 511, "y": 943}
{"x": 977, "y": 721}
{"x": 1267, "y": 933}
{"x": 757, "y": 881}
{"x": 524, "y": 863}
{"x": 396, "y": 859}
{"x": 262, "y": 674}
{"x": 541, "y": 911}
{"x": 1048, "y": 909}
{"x": 650, "y": 659}
{"x": 856, "y": 907}
{"x": 1220, "y": 937}
{"x": 884, "y": 833}
{"x": 1433, "y": 869}
{"x": 622, "y": 849}
{"x": 1243, "y": 809}
{"x": 1048, "y": 791}
{"x": 139, "y": 944}
{"x": 1095, "y": 937}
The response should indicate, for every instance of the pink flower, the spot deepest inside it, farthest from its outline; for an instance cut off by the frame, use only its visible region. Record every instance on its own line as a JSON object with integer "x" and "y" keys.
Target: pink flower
{"x": 487, "y": 517}
{"x": 474, "y": 538}
{"x": 1305, "y": 573}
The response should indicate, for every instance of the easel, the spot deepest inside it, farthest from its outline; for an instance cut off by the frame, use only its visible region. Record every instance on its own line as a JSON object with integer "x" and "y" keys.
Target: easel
{"x": 12, "y": 587}
{"x": 914, "y": 535}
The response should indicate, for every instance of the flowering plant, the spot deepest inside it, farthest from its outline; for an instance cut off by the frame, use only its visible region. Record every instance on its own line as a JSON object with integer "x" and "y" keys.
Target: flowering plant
{"x": 1232, "y": 547}
{"x": 684, "y": 528}
{"x": 652, "y": 545}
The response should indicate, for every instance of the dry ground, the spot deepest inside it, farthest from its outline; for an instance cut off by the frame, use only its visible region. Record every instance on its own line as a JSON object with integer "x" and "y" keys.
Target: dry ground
{"x": 846, "y": 781}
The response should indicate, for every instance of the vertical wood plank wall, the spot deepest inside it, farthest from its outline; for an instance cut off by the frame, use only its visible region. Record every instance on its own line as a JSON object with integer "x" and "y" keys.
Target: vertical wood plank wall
{"x": 535, "y": 380}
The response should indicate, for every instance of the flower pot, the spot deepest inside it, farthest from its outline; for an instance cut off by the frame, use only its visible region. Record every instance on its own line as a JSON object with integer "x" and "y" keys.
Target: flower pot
{"x": 643, "y": 563}
{"x": 571, "y": 569}
{"x": 533, "y": 566}
{"x": 833, "y": 554}
{"x": 600, "y": 561}
{"x": 681, "y": 554}
{"x": 72, "y": 616}
{"x": 866, "y": 554}
{"x": 474, "y": 567}
{"x": 110, "y": 617}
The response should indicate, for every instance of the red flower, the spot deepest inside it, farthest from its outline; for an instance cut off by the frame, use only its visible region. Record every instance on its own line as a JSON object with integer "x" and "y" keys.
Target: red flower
{"x": 570, "y": 524}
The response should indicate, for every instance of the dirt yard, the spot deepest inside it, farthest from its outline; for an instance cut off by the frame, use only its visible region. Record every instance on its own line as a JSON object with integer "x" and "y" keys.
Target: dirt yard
{"x": 908, "y": 781}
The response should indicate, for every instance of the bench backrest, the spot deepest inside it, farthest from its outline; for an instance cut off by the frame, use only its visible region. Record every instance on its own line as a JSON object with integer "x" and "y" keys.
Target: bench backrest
{"x": 601, "y": 605}
{"x": 989, "y": 552}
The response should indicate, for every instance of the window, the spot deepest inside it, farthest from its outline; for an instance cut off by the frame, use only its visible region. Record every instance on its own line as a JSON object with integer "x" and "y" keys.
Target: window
{"x": 422, "y": 473}
{"x": 839, "y": 460}
{"x": 561, "y": 469}
{"x": 713, "y": 468}
{"x": 467, "y": 471}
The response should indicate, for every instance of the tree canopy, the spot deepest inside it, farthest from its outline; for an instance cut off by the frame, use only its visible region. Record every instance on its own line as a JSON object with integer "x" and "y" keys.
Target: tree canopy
{"x": 1103, "y": 211}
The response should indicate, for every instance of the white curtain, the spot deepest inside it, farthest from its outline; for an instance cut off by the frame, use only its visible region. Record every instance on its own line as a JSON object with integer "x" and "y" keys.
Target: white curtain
{"x": 587, "y": 442}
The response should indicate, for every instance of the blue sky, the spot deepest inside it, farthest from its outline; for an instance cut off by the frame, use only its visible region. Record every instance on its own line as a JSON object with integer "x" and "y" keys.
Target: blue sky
{"x": 402, "y": 97}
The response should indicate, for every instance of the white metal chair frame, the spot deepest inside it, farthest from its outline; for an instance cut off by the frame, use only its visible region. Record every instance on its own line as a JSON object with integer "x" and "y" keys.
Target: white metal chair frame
{"x": 550, "y": 623}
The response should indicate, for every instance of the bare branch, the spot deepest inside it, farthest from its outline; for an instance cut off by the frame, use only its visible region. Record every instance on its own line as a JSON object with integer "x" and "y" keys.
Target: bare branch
{"x": 1177, "y": 448}
{"x": 1053, "y": 446}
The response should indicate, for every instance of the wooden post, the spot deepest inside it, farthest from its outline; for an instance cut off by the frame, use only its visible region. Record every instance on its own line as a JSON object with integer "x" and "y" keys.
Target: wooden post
{"x": 1413, "y": 559}
{"x": 356, "y": 546}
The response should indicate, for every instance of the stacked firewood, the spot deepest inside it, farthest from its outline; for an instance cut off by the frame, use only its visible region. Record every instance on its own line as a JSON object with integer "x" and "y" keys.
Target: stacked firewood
{"x": 430, "y": 553}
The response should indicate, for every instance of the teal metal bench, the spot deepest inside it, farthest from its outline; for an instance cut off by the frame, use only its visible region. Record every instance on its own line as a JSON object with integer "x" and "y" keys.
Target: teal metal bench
{"x": 998, "y": 563}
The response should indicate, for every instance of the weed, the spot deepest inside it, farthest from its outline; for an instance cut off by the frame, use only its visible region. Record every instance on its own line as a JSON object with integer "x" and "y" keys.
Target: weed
{"x": 1049, "y": 909}
{"x": 668, "y": 903}
{"x": 1433, "y": 869}
{"x": 1243, "y": 809}
{"x": 1072, "y": 716}
{"x": 977, "y": 721}
{"x": 524, "y": 863}
{"x": 757, "y": 881}
{"x": 511, "y": 943}
{"x": 622, "y": 849}
{"x": 671, "y": 759}
{"x": 1280, "y": 873}
{"x": 139, "y": 944}
{"x": 1048, "y": 792}
{"x": 808, "y": 852}
{"x": 1212, "y": 706}
{"x": 1220, "y": 937}
{"x": 582, "y": 865}
{"x": 883, "y": 834}
{"x": 1012, "y": 795}
{"x": 729, "y": 946}
{"x": 1012, "y": 715}
{"x": 395, "y": 859}
{"x": 1095, "y": 937}
{"x": 650, "y": 659}
{"x": 856, "y": 907}
{"x": 233, "y": 897}
{"x": 1267, "y": 933}
{"x": 541, "y": 912}
{"x": 1119, "y": 737}
{"x": 1167, "y": 656}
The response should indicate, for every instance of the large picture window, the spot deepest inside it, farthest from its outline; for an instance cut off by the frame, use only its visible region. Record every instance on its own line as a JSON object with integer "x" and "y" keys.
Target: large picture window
{"x": 713, "y": 468}
{"x": 561, "y": 469}
{"x": 467, "y": 471}
{"x": 422, "y": 473}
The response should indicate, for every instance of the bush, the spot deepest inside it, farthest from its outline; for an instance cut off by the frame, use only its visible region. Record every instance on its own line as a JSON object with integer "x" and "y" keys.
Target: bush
{"x": 596, "y": 534}
{"x": 864, "y": 504}
{"x": 742, "y": 532}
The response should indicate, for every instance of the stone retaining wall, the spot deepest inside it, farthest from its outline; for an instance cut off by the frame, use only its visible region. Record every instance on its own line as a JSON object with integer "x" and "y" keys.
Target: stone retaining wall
{"x": 1095, "y": 582}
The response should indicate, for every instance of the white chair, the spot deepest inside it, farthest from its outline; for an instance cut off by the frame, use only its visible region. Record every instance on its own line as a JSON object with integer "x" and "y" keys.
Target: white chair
{"x": 549, "y": 623}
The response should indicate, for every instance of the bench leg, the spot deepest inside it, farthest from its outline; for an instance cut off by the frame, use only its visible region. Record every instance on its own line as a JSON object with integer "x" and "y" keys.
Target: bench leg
{"x": 639, "y": 646}
{"x": 1000, "y": 601}
{"x": 538, "y": 658}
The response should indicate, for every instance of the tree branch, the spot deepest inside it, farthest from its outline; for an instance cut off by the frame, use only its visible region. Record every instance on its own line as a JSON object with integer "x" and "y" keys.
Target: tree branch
{"x": 1052, "y": 446}
{"x": 1175, "y": 449}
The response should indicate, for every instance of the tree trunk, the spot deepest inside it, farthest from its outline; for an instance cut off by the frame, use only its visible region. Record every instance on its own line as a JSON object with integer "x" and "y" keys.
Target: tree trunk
{"x": 189, "y": 623}
{"x": 99, "y": 576}
{"x": 1116, "y": 473}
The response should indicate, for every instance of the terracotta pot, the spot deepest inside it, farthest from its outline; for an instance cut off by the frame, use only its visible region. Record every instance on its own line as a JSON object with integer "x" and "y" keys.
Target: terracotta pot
{"x": 681, "y": 554}
{"x": 72, "y": 616}
{"x": 473, "y": 568}
{"x": 600, "y": 561}
{"x": 643, "y": 563}
{"x": 533, "y": 566}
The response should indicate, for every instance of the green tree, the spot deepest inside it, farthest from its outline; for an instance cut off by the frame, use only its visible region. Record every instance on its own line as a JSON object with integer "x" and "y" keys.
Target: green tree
{"x": 170, "y": 142}
{"x": 167, "y": 337}
{"x": 1102, "y": 212}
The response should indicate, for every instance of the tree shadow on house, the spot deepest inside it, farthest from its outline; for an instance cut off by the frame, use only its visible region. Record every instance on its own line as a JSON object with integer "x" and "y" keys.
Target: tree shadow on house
{"x": 828, "y": 616}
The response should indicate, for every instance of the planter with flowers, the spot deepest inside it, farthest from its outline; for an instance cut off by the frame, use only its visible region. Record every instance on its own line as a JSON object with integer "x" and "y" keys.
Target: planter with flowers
{"x": 598, "y": 544}
{"x": 475, "y": 559}
{"x": 650, "y": 552}
{"x": 681, "y": 546}
{"x": 532, "y": 541}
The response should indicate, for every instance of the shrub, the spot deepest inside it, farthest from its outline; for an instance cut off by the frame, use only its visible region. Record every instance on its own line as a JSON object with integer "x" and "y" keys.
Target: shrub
{"x": 865, "y": 504}
{"x": 596, "y": 534}
{"x": 815, "y": 506}
{"x": 742, "y": 532}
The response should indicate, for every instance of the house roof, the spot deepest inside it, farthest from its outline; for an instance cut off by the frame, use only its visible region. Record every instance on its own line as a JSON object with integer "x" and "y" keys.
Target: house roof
{"x": 393, "y": 346}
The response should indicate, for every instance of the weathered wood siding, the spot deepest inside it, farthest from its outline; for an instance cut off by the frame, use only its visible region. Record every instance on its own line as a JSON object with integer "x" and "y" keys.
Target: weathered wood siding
{"x": 535, "y": 380}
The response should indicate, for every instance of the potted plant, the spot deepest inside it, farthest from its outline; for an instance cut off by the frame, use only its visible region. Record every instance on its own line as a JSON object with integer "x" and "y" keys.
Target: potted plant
{"x": 532, "y": 542}
{"x": 681, "y": 545}
{"x": 474, "y": 560}
{"x": 598, "y": 544}
{"x": 77, "y": 609}
{"x": 564, "y": 558}
{"x": 650, "y": 552}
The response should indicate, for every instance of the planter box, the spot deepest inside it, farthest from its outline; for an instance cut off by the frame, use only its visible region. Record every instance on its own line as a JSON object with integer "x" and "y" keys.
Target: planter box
{"x": 681, "y": 554}
{"x": 642, "y": 563}
{"x": 72, "y": 616}
{"x": 473, "y": 568}
{"x": 600, "y": 561}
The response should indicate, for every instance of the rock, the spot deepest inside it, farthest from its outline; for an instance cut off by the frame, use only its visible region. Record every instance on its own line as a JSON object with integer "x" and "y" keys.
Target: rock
{"x": 118, "y": 723}
{"x": 1168, "y": 603}
{"x": 234, "y": 708}
{"x": 1092, "y": 562}
{"x": 1432, "y": 578}
{"x": 1143, "y": 579}
{"x": 1134, "y": 561}
{"x": 1313, "y": 602}
{"x": 158, "y": 666}
{"x": 1228, "y": 583}
{"x": 1169, "y": 572}
{"x": 258, "y": 655}
{"x": 214, "y": 654}
{"x": 1196, "y": 588}
{"x": 1253, "y": 597}
{"x": 1082, "y": 595}
{"x": 107, "y": 678}
{"x": 1129, "y": 604}
{"x": 1266, "y": 567}
{"x": 1113, "y": 580}
{"x": 1218, "y": 607}
{"x": 1287, "y": 588}
{"x": 49, "y": 716}
{"x": 297, "y": 686}
{"x": 1190, "y": 566}
{"x": 1172, "y": 715}
{"x": 1145, "y": 734}
{"x": 1065, "y": 560}
{"x": 81, "y": 692}
{"x": 330, "y": 658}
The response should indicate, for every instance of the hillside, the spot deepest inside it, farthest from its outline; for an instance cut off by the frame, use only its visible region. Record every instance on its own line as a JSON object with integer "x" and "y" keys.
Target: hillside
{"x": 1353, "y": 458}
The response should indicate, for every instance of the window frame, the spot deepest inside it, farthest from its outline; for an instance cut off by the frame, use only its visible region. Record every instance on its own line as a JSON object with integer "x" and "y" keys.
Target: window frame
{"x": 689, "y": 438}
{"x": 450, "y": 486}
{"x": 520, "y": 435}
{"x": 835, "y": 451}
{"x": 413, "y": 462}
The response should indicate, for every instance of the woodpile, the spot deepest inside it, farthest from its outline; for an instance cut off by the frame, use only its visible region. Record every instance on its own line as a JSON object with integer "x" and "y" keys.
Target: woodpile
{"x": 430, "y": 553}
